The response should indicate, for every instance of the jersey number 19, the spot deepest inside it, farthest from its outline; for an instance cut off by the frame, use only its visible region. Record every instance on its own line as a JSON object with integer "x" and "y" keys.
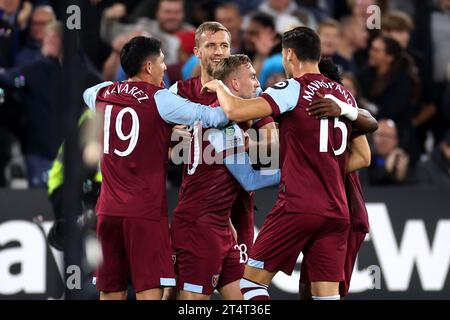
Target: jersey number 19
{"x": 133, "y": 135}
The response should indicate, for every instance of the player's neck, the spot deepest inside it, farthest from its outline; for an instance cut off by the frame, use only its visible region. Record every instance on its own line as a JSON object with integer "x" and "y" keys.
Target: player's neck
{"x": 144, "y": 78}
{"x": 304, "y": 68}
{"x": 205, "y": 77}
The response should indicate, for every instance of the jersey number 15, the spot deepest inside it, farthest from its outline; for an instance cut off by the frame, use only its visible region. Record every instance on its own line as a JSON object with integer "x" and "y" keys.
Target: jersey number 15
{"x": 323, "y": 147}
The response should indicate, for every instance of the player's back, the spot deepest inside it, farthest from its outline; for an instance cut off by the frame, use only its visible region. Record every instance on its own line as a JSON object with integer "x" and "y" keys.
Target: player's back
{"x": 135, "y": 152}
{"x": 312, "y": 152}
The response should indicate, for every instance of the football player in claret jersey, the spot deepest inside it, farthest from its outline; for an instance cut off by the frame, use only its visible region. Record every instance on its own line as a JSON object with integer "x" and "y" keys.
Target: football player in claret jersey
{"x": 213, "y": 259}
{"x": 311, "y": 212}
{"x": 138, "y": 115}
{"x": 358, "y": 213}
{"x": 212, "y": 45}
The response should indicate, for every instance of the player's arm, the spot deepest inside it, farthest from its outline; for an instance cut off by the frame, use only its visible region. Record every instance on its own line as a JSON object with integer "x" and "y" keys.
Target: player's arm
{"x": 239, "y": 164}
{"x": 330, "y": 106}
{"x": 177, "y": 110}
{"x": 236, "y": 108}
{"x": 359, "y": 154}
{"x": 268, "y": 133}
{"x": 280, "y": 98}
{"x": 240, "y": 167}
{"x": 90, "y": 94}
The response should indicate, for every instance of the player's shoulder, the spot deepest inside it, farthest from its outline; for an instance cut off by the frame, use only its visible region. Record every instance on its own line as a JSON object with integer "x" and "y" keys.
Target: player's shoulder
{"x": 185, "y": 88}
{"x": 284, "y": 89}
{"x": 288, "y": 83}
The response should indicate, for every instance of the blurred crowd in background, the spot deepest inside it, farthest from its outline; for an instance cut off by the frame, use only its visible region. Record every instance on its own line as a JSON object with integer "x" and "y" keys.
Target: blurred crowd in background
{"x": 399, "y": 72}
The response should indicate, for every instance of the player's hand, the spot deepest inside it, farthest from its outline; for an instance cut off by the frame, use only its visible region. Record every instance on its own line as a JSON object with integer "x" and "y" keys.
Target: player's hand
{"x": 212, "y": 86}
{"x": 323, "y": 108}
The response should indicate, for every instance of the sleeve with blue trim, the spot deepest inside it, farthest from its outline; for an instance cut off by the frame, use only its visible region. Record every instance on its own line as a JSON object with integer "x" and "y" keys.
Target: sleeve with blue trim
{"x": 283, "y": 96}
{"x": 250, "y": 179}
{"x": 90, "y": 94}
{"x": 239, "y": 164}
{"x": 177, "y": 110}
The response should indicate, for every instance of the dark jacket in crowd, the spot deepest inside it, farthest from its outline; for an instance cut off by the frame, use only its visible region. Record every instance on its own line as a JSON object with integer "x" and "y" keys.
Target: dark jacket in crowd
{"x": 435, "y": 171}
{"x": 40, "y": 84}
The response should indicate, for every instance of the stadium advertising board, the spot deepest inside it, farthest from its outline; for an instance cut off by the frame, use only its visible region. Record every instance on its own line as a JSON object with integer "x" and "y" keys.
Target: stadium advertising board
{"x": 405, "y": 256}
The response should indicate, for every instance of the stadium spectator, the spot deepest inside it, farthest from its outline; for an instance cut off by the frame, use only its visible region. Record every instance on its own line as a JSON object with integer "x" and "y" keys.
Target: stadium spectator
{"x": 436, "y": 170}
{"x": 246, "y": 6}
{"x": 229, "y": 15}
{"x": 331, "y": 37}
{"x": 440, "y": 35}
{"x": 446, "y": 102}
{"x": 398, "y": 25}
{"x": 111, "y": 68}
{"x": 286, "y": 14}
{"x": 353, "y": 38}
{"x": 390, "y": 163}
{"x": 9, "y": 31}
{"x": 359, "y": 10}
{"x": 169, "y": 21}
{"x": 319, "y": 9}
{"x": 392, "y": 83}
{"x": 265, "y": 43}
{"x": 31, "y": 51}
{"x": 329, "y": 32}
{"x": 39, "y": 86}
{"x": 440, "y": 30}
{"x": 41, "y": 107}
{"x": 351, "y": 84}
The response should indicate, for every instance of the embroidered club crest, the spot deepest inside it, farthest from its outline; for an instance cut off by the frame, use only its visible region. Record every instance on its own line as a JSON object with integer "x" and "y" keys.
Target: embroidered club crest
{"x": 215, "y": 280}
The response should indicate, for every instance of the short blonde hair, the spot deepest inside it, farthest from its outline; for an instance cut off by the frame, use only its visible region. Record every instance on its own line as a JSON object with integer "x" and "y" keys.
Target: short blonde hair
{"x": 229, "y": 65}
{"x": 211, "y": 26}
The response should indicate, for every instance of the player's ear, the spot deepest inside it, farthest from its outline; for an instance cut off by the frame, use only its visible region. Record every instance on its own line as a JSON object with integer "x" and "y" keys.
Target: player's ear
{"x": 196, "y": 52}
{"x": 289, "y": 54}
{"x": 235, "y": 84}
{"x": 148, "y": 67}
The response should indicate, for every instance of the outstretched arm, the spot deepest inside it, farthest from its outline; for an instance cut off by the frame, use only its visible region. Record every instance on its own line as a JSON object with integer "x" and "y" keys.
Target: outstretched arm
{"x": 240, "y": 167}
{"x": 177, "y": 110}
{"x": 238, "y": 109}
{"x": 239, "y": 164}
